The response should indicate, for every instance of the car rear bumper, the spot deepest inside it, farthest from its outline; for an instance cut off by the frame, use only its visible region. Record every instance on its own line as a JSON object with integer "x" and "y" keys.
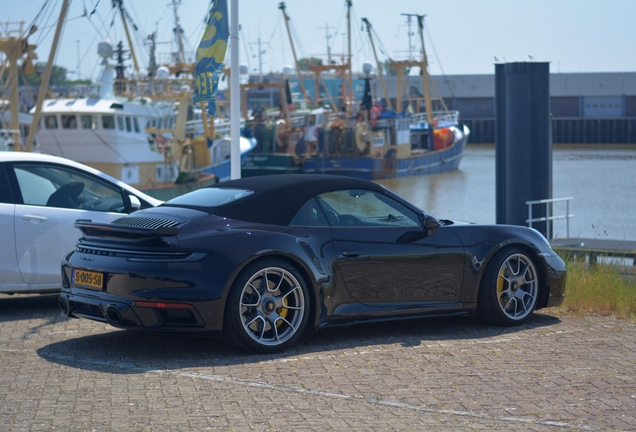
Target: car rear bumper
{"x": 123, "y": 313}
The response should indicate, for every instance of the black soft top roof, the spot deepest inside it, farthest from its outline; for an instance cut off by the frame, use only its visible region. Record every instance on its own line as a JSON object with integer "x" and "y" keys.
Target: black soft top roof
{"x": 277, "y": 198}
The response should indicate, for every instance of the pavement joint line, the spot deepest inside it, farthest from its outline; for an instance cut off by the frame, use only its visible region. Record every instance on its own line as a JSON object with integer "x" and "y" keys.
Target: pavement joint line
{"x": 12, "y": 350}
{"x": 219, "y": 378}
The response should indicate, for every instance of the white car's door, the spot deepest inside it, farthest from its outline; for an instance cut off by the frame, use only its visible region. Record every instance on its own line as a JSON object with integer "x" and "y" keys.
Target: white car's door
{"x": 53, "y": 197}
{"x": 9, "y": 272}
{"x": 44, "y": 235}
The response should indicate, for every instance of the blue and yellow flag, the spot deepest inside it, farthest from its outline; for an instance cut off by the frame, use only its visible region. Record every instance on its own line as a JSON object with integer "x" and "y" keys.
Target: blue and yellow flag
{"x": 211, "y": 54}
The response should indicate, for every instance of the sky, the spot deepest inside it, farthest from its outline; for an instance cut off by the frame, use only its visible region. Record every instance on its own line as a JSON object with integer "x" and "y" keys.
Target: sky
{"x": 461, "y": 36}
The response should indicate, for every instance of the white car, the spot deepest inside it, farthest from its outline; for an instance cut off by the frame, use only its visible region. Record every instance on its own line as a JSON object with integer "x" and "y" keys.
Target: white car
{"x": 41, "y": 197}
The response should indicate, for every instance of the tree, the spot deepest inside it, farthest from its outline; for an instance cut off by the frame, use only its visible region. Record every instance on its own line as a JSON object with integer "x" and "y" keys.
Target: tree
{"x": 388, "y": 70}
{"x": 304, "y": 63}
{"x": 58, "y": 76}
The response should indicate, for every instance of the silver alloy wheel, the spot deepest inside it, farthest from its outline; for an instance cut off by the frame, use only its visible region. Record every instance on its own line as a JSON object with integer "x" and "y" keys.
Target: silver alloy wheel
{"x": 517, "y": 286}
{"x": 272, "y": 306}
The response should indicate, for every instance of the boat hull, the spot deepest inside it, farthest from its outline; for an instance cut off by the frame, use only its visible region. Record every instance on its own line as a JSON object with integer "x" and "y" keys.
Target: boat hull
{"x": 268, "y": 164}
{"x": 223, "y": 171}
{"x": 370, "y": 168}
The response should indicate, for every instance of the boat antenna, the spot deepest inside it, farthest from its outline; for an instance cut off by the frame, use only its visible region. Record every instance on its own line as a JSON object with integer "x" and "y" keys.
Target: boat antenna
{"x": 425, "y": 78}
{"x": 179, "y": 56}
{"x": 347, "y": 105}
{"x": 260, "y": 57}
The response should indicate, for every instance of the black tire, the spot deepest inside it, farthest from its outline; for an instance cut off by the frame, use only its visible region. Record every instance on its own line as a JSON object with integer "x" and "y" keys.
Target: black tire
{"x": 509, "y": 289}
{"x": 267, "y": 308}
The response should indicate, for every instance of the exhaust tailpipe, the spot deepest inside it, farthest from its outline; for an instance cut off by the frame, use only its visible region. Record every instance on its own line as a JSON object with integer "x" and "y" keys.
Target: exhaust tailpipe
{"x": 113, "y": 315}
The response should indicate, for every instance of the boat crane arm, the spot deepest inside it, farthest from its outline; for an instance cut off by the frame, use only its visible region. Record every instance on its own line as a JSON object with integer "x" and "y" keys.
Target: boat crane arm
{"x": 375, "y": 54}
{"x": 44, "y": 85}
{"x": 281, "y": 6}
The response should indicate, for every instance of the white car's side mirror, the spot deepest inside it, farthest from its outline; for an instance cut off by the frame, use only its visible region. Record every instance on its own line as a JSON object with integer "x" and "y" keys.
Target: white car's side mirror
{"x": 135, "y": 204}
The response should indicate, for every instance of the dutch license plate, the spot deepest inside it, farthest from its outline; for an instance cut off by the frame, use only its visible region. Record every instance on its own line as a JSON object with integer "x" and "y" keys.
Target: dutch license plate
{"x": 88, "y": 279}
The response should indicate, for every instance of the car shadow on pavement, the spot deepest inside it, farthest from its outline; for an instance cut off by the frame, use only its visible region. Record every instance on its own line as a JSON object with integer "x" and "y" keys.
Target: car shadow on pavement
{"x": 134, "y": 352}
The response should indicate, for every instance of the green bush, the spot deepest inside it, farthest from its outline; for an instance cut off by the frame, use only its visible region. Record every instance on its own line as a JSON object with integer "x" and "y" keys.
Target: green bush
{"x": 603, "y": 289}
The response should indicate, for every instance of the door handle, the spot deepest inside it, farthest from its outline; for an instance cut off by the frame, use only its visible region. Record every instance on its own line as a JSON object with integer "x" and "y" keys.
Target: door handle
{"x": 352, "y": 253}
{"x": 35, "y": 218}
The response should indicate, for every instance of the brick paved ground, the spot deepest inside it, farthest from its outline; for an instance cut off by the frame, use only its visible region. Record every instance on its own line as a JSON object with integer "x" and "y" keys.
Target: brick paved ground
{"x": 557, "y": 372}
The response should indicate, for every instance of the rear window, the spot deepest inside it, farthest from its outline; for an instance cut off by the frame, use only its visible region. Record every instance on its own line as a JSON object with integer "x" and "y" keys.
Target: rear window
{"x": 209, "y": 197}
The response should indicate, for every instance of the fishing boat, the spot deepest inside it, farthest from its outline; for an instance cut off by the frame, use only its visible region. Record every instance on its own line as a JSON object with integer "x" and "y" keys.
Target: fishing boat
{"x": 15, "y": 124}
{"x": 286, "y": 136}
{"x": 382, "y": 143}
{"x": 7, "y": 134}
{"x": 392, "y": 147}
{"x": 136, "y": 128}
{"x": 363, "y": 139}
{"x": 214, "y": 154}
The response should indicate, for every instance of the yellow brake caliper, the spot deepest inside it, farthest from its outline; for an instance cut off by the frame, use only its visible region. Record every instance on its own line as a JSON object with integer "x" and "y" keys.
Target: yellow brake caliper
{"x": 282, "y": 312}
{"x": 500, "y": 282}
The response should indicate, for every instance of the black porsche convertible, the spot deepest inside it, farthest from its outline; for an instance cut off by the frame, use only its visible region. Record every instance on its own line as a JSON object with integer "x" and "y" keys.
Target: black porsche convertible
{"x": 262, "y": 260}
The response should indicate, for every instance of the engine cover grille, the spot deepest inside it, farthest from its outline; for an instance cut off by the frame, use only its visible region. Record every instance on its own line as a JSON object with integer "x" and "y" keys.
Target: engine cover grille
{"x": 145, "y": 222}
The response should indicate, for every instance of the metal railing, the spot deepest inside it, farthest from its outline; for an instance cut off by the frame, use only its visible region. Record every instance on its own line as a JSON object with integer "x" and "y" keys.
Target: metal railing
{"x": 550, "y": 217}
{"x": 444, "y": 119}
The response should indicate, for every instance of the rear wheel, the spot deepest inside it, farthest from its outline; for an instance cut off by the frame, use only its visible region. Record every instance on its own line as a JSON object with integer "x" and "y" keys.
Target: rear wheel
{"x": 510, "y": 288}
{"x": 267, "y": 308}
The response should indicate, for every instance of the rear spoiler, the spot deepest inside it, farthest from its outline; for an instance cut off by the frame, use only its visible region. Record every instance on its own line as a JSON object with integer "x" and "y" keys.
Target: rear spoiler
{"x": 112, "y": 230}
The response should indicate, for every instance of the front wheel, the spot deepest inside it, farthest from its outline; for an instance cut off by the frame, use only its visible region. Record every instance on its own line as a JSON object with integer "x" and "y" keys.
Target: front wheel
{"x": 267, "y": 308}
{"x": 509, "y": 289}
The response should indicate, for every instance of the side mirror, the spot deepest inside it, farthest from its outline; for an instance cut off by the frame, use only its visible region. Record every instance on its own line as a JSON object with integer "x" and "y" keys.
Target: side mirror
{"x": 430, "y": 224}
{"x": 135, "y": 204}
{"x": 429, "y": 228}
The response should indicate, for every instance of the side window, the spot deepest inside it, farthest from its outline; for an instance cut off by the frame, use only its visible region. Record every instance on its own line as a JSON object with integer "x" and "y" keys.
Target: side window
{"x": 55, "y": 186}
{"x": 88, "y": 122}
{"x": 108, "y": 122}
{"x": 136, "y": 124}
{"x": 69, "y": 121}
{"x": 311, "y": 214}
{"x": 35, "y": 189}
{"x": 5, "y": 192}
{"x": 128, "y": 126}
{"x": 50, "y": 122}
{"x": 120, "y": 123}
{"x": 352, "y": 208}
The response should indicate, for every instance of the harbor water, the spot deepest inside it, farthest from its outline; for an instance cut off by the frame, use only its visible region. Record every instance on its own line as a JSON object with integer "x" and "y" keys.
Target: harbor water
{"x": 602, "y": 181}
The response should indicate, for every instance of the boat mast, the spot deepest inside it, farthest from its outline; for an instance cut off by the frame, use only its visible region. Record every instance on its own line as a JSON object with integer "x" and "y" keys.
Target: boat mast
{"x": 152, "y": 62}
{"x": 120, "y": 4}
{"x": 44, "y": 85}
{"x": 425, "y": 78}
{"x": 375, "y": 54}
{"x": 281, "y": 6}
{"x": 179, "y": 56}
{"x": 15, "y": 48}
{"x": 347, "y": 105}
